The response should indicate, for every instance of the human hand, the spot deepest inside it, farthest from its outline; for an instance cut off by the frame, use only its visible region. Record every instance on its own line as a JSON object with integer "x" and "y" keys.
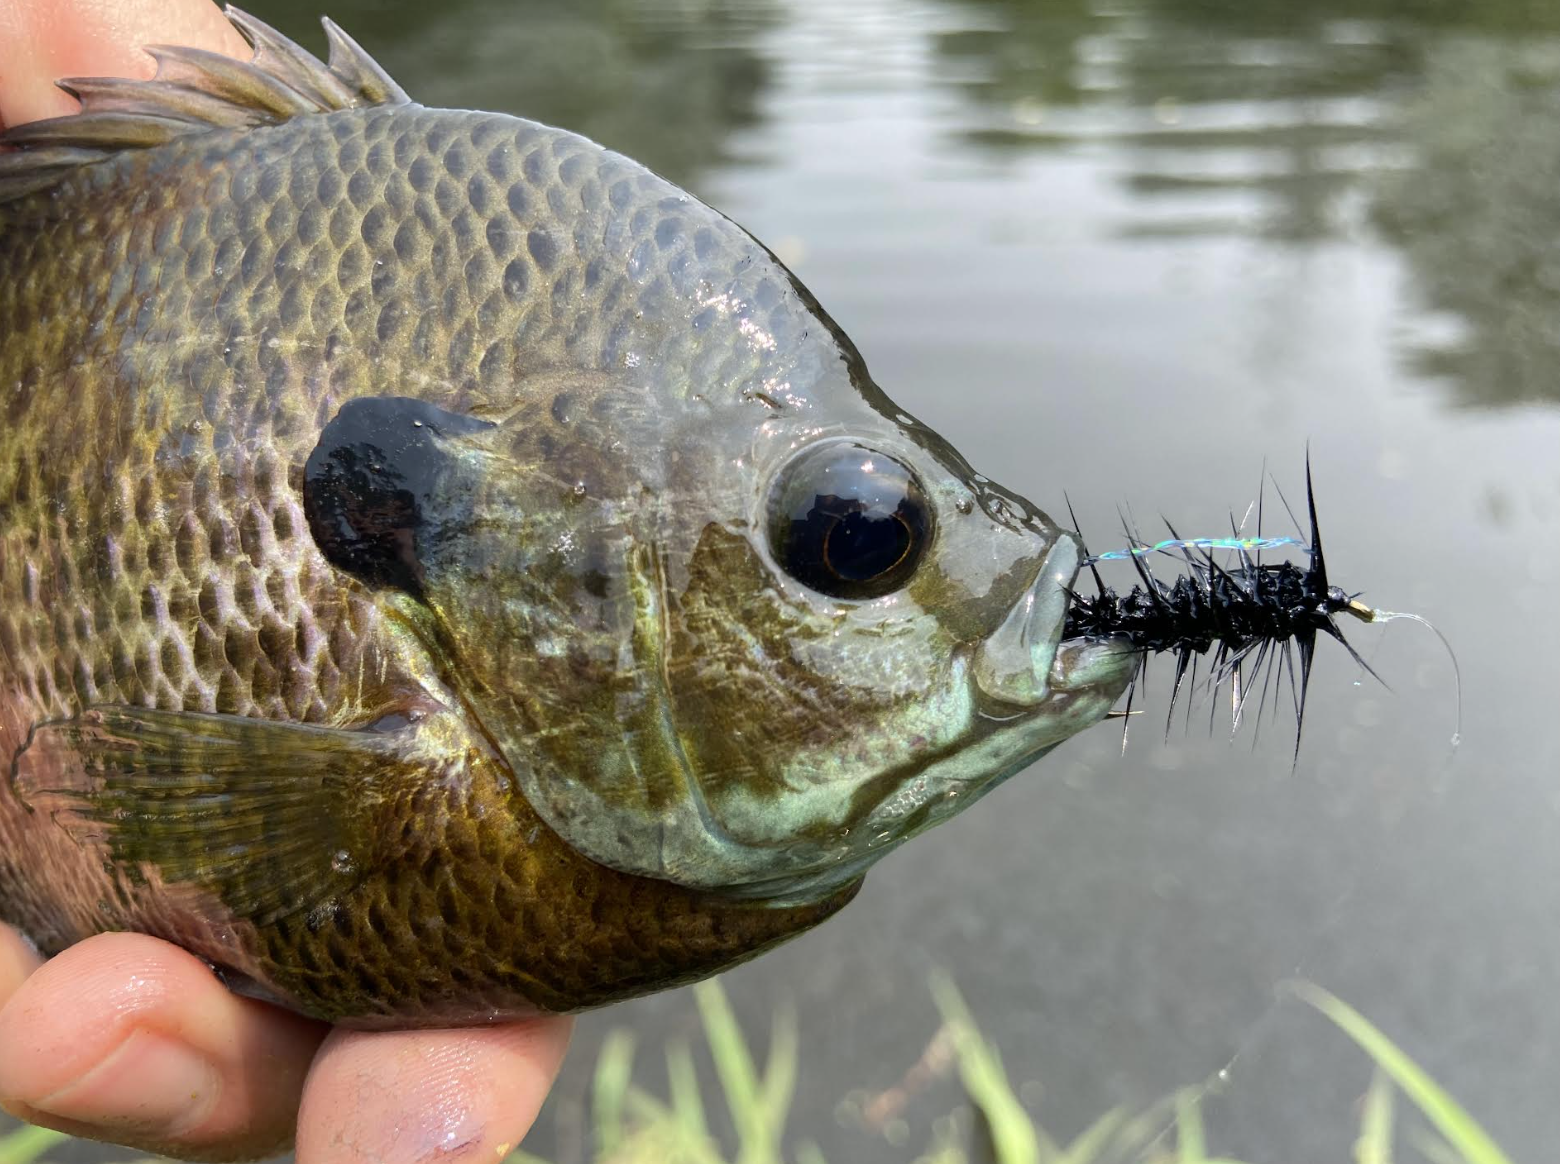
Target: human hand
{"x": 127, "y": 1038}
{"x": 44, "y": 40}
{"x": 130, "y": 1039}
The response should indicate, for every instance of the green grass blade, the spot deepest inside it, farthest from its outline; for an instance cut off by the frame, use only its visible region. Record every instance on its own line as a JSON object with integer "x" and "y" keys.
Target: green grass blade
{"x": 1092, "y": 1140}
{"x": 614, "y": 1069}
{"x": 1141, "y": 1135}
{"x": 808, "y": 1152}
{"x": 1190, "y": 1143}
{"x": 1455, "y": 1125}
{"x": 521, "y": 1156}
{"x": 645, "y": 1110}
{"x": 683, "y": 1082}
{"x": 734, "y": 1066}
{"x": 1435, "y": 1149}
{"x": 945, "y": 1153}
{"x": 1375, "y": 1143}
{"x": 778, "y": 1086}
{"x": 27, "y": 1144}
{"x": 1013, "y": 1133}
{"x": 657, "y": 1125}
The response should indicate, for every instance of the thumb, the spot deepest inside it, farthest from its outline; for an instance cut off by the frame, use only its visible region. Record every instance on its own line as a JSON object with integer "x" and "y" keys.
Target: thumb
{"x": 18, "y": 959}
{"x": 126, "y": 1038}
{"x": 44, "y": 40}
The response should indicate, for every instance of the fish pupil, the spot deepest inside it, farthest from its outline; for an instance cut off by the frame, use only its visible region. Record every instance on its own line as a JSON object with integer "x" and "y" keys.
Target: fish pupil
{"x": 861, "y": 547}
{"x": 848, "y": 521}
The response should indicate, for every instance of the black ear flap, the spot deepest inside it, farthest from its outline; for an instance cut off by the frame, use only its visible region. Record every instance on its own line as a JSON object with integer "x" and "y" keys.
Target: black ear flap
{"x": 367, "y": 483}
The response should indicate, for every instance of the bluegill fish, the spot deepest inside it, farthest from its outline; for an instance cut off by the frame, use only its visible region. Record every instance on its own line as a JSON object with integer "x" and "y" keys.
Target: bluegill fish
{"x": 448, "y": 572}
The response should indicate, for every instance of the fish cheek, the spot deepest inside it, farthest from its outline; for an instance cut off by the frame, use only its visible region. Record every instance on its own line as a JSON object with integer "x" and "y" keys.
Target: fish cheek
{"x": 750, "y": 699}
{"x": 727, "y": 669}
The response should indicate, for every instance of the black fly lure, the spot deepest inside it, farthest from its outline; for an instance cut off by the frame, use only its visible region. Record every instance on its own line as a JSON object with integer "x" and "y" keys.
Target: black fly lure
{"x": 1251, "y": 617}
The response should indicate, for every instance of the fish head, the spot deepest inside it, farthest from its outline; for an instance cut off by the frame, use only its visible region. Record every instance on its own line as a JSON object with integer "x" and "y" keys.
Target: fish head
{"x": 730, "y": 616}
{"x": 742, "y": 648}
{"x": 864, "y": 636}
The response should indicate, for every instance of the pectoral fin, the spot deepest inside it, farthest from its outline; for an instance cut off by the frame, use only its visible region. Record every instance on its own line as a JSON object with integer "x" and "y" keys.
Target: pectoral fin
{"x": 271, "y": 817}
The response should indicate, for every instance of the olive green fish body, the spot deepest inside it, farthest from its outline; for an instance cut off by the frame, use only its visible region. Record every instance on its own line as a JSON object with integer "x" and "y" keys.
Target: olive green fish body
{"x": 391, "y": 605}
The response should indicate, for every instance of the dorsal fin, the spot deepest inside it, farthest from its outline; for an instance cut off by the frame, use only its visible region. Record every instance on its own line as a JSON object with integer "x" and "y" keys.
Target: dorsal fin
{"x": 193, "y": 91}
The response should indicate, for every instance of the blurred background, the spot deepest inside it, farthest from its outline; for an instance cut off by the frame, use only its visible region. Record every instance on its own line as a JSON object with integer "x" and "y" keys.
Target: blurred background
{"x": 1137, "y": 251}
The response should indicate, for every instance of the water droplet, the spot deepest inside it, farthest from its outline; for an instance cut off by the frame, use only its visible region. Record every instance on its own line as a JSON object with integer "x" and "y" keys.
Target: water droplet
{"x": 965, "y": 505}
{"x": 341, "y": 862}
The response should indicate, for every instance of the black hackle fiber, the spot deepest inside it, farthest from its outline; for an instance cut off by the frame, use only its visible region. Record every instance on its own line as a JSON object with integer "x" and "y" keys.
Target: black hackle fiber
{"x": 1240, "y": 611}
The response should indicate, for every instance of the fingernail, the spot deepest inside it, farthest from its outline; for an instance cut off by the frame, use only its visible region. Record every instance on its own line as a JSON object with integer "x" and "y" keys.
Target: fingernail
{"x": 151, "y": 1085}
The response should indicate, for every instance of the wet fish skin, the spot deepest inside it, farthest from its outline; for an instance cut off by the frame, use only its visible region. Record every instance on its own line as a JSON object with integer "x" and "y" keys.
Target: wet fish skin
{"x": 566, "y": 734}
{"x": 200, "y": 584}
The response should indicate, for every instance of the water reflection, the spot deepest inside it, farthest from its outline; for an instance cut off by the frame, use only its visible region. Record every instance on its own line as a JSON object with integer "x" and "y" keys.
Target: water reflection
{"x": 1221, "y": 118}
{"x": 1478, "y": 216}
{"x": 1306, "y": 123}
{"x": 665, "y": 81}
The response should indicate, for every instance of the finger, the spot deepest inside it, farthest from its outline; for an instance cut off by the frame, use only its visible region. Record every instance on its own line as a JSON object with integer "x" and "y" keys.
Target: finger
{"x": 129, "y": 1039}
{"x": 428, "y": 1095}
{"x": 17, "y": 960}
{"x": 44, "y": 40}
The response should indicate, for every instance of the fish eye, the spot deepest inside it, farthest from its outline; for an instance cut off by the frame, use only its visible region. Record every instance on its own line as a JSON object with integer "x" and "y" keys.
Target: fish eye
{"x": 848, "y": 521}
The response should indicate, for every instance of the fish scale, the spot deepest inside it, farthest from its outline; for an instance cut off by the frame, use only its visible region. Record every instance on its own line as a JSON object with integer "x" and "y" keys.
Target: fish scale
{"x": 211, "y": 597}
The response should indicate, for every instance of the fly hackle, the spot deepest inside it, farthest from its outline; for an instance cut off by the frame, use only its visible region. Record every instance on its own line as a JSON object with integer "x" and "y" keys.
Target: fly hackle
{"x": 1251, "y": 618}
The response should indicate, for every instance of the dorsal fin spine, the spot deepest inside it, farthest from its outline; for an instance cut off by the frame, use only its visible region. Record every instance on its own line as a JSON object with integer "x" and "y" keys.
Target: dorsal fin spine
{"x": 278, "y": 55}
{"x": 193, "y": 91}
{"x": 372, "y": 84}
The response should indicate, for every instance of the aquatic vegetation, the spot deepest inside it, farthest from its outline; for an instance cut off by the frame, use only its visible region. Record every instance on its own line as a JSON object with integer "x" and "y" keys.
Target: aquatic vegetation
{"x": 632, "y": 1126}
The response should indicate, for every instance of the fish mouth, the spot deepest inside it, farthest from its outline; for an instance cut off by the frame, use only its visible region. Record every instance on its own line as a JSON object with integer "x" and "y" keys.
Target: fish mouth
{"x": 1033, "y": 689}
{"x": 1026, "y": 663}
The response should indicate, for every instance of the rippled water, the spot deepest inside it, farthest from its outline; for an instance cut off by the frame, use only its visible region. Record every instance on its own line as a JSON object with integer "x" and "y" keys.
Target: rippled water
{"x": 1136, "y": 250}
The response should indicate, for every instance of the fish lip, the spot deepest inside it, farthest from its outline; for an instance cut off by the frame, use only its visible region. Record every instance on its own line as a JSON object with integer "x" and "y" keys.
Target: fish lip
{"x": 1095, "y": 663}
{"x": 1013, "y": 666}
{"x": 1032, "y": 634}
